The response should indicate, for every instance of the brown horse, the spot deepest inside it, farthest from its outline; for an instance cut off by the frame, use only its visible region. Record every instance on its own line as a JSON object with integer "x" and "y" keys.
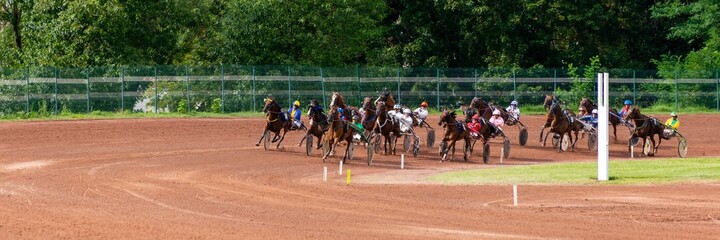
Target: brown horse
{"x": 387, "y": 126}
{"x": 338, "y": 131}
{"x": 455, "y": 131}
{"x": 274, "y": 121}
{"x": 318, "y": 123}
{"x": 613, "y": 118}
{"x": 368, "y": 120}
{"x": 645, "y": 127}
{"x": 561, "y": 125}
{"x": 388, "y": 99}
{"x": 549, "y": 100}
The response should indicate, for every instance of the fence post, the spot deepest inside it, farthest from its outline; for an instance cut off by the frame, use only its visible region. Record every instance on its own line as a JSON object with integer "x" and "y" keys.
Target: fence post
{"x": 676, "y": 92}
{"x": 156, "y": 89}
{"x": 27, "y": 90}
{"x": 397, "y": 78}
{"x": 514, "y": 85}
{"x": 554, "y": 81}
{"x": 222, "y": 88}
{"x": 87, "y": 74}
{"x": 717, "y": 91}
{"x": 357, "y": 73}
{"x": 122, "y": 89}
{"x": 56, "y": 90}
{"x": 634, "y": 91}
{"x": 289, "y": 101}
{"x": 253, "y": 91}
{"x": 187, "y": 87}
{"x": 322, "y": 83}
{"x": 437, "y": 90}
{"x": 475, "y": 84}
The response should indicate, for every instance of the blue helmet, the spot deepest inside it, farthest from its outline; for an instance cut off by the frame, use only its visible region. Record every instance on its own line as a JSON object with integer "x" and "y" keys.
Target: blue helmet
{"x": 340, "y": 110}
{"x": 628, "y": 102}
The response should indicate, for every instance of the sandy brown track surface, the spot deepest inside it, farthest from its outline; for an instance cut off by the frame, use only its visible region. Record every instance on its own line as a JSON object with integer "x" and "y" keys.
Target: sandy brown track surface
{"x": 206, "y": 179}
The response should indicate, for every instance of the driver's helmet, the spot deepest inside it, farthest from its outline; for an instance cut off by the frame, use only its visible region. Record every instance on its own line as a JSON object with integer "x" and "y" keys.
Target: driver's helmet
{"x": 355, "y": 118}
{"x": 397, "y": 107}
{"x": 424, "y": 104}
{"x": 628, "y": 102}
{"x": 340, "y": 110}
{"x": 672, "y": 114}
{"x": 594, "y": 111}
{"x": 496, "y": 112}
{"x": 476, "y": 117}
{"x": 296, "y": 103}
{"x": 407, "y": 111}
{"x": 514, "y": 103}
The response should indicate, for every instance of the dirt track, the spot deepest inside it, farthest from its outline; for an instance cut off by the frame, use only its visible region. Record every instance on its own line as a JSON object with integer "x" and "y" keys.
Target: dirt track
{"x": 204, "y": 178}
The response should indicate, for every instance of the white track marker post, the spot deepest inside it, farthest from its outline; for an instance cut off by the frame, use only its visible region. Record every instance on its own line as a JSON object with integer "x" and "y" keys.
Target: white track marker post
{"x": 632, "y": 151}
{"x": 502, "y": 154}
{"x": 340, "y": 168}
{"x": 325, "y": 173}
{"x": 402, "y": 161}
{"x": 514, "y": 195}
{"x": 603, "y": 86}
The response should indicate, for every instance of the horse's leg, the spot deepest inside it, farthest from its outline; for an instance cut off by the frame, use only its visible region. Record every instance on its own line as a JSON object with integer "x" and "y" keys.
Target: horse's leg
{"x": 452, "y": 144}
{"x": 643, "y": 146}
{"x": 285, "y": 130}
{"x": 347, "y": 150}
{"x": 545, "y": 140}
{"x": 394, "y": 142}
{"x": 329, "y": 148}
{"x": 615, "y": 131}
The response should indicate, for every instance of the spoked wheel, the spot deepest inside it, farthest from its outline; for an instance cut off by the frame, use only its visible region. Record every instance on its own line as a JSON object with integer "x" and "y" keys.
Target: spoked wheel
{"x": 431, "y": 138}
{"x": 486, "y": 153}
{"x": 592, "y": 141}
{"x": 406, "y": 143}
{"x": 682, "y": 148}
{"x": 523, "y": 136}
{"x": 555, "y": 140}
{"x": 565, "y": 143}
{"x": 308, "y": 144}
{"x": 506, "y": 148}
{"x": 370, "y": 152}
{"x": 416, "y": 146}
{"x": 266, "y": 140}
{"x": 648, "y": 148}
{"x": 634, "y": 141}
{"x": 351, "y": 150}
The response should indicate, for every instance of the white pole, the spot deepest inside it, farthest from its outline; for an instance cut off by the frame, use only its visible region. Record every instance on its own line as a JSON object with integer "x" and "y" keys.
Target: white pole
{"x": 340, "y": 170}
{"x": 402, "y": 161}
{"x": 632, "y": 151}
{"x": 325, "y": 173}
{"x": 502, "y": 154}
{"x": 514, "y": 195}
{"x": 603, "y": 116}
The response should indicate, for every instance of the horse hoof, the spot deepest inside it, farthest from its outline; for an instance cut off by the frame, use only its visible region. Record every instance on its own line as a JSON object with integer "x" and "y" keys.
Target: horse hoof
{"x": 257, "y": 144}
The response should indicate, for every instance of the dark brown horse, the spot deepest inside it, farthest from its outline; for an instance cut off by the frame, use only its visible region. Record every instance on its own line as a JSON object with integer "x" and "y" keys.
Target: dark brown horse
{"x": 337, "y": 132}
{"x": 274, "y": 121}
{"x": 368, "y": 120}
{"x": 645, "y": 127}
{"x": 388, "y": 99}
{"x": 549, "y": 100}
{"x": 612, "y": 118}
{"x": 386, "y": 126}
{"x": 561, "y": 125}
{"x": 318, "y": 123}
{"x": 455, "y": 131}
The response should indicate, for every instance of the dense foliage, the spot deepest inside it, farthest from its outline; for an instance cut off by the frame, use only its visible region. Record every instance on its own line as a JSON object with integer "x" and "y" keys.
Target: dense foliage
{"x": 453, "y": 33}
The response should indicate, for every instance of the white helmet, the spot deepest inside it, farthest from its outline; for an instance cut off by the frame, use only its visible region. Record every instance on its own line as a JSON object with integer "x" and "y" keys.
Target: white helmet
{"x": 514, "y": 103}
{"x": 397, "y": 106}
{"x": 496, "y": 112}
{"x": 594, "y": 111}
{"x": 407, "y": 111}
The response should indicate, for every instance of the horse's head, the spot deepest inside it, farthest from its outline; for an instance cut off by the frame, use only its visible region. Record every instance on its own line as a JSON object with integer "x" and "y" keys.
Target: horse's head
{"x": 549, "y": 100}
{"x": 588, "y": 104}
{"x": 380, "y": 107}
{"x": 337, "y": 100}
{"x": 554, "y": 109}
{"x": 271, "y": 105}
{"x": 447, "y": 117}
{"x": 368, "y": 104}
{"x": 633, "y": 113}
{"x": 477, "y": 103}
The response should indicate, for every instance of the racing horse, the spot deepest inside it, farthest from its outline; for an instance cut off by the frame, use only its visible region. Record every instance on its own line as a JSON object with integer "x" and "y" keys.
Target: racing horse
{"x": 549, "y": 100}
{"x": 562, "y": 124}
{"x": 368, "y": 120}
{"x": 455, "y": 131}
{"x": 645, "y": 127}
{"x": 318, "y": 124}
{"x": 613, "y": 118}
{"x": 276, "y": 121}
{"x": 387, "y": 126}
{"x": 388, "y": 99}
{"x": 337, "y": 132}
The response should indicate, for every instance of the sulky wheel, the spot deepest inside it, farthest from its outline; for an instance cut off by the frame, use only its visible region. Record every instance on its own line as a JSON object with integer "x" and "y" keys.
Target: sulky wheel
{"x": 565, "y": 143}
{"x": 308, "y": 144}
{"x": 648, "y": 148}
{"x": 378, "y": 141}
{"x": 266, "y": 141}
{"x": 486, "y": 153}
{"x": 370, "y": 152}
{"x": 406, "y": 143}
{"x": 351, "y": 150}
{"x": 416, "y": 146}
{"x": 682, "y": 148}
{"x": 523, "y": 136}
{"x": 431, "y": 138}
{"x": 506, "y": 148}
{"x": 592, "y": 141}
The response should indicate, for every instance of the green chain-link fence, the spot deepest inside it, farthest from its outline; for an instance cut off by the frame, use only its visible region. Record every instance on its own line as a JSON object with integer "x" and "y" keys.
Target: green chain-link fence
{"x": 234, "y": 88}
